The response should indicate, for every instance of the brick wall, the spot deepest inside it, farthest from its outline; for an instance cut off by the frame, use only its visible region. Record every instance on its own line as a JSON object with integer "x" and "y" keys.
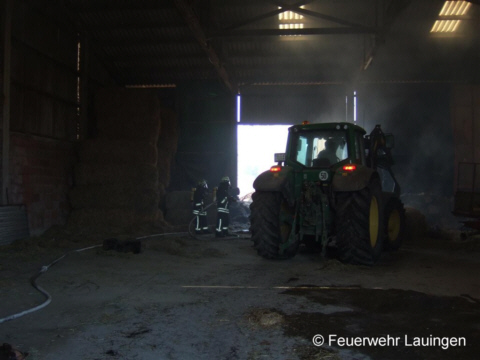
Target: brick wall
{"x": 40, "y": 178}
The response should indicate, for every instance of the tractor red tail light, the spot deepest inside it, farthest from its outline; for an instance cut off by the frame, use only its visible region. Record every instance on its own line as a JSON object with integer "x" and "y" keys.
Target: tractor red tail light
{"x": 275, "y": 168}
{"x": 350, "y": 167}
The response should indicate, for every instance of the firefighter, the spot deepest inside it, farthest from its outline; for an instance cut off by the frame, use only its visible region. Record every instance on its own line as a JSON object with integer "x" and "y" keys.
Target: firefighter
{"x": 199, "y": 197}
{"x": 223, "y": 212}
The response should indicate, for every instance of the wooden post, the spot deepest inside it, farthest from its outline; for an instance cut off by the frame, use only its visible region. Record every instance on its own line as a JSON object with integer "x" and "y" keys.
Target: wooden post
{"x": 7, "y": 52}
{"x": 84, "y": 95}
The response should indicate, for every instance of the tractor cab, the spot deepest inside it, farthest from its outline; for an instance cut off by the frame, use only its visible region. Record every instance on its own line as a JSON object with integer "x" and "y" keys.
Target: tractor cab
{"x": 324, "y": 145}
{"x": 319, "y": 148}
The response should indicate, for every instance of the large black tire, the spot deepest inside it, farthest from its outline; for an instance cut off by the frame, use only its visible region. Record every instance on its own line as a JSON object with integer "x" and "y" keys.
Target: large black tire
{"x": 271, "y": 222}
{"x": 394, "y": 225}
{"x": 359, "y": 225}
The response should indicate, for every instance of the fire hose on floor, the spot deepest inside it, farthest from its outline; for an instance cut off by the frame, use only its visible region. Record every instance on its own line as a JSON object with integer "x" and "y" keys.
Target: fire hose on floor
{"x": 44, "y": 269}
{"x": 33, "y": 282}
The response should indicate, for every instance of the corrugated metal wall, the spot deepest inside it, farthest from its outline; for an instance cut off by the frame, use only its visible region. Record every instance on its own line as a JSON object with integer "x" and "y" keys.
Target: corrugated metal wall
{"x": 292, "y": 104}
{"x": 50, "y": 99}
{"x": 13, "y": 224}
{"x": 466, "y": 128}
{"x": 466, "y": 122}
{"x": 44, "y": 75}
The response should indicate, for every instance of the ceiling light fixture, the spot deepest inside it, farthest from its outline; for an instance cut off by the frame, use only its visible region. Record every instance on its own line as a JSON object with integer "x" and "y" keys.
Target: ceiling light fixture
{"x": 444, "y": 26}
{"x": 449, "y": 9}
{"x": 455, "y": 8}
{"x": 290, "y": 20}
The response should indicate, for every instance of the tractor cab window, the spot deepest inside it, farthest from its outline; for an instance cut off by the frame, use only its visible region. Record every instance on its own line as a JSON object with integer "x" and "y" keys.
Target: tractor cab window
{"x": 320, "y": 149}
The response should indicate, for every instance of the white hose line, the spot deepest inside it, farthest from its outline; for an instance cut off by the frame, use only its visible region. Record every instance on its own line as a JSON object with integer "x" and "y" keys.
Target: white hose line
{"x": 161, "y": 234}
{"x": 46, "y": 267}
{"x": 33, "y": 280}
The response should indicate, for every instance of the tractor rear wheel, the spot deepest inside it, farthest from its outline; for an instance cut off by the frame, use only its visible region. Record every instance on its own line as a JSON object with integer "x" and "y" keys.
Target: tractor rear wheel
{"x": 359, "y": 225}
{"x": 271, "y": 222}
{"x": 394, "y": 226}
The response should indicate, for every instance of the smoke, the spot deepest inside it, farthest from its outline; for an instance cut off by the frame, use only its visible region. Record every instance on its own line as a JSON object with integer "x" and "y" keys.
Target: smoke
{"x": 419, "y": 118}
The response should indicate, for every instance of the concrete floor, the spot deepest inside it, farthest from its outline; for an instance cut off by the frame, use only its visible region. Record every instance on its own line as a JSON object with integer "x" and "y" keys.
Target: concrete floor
{"x": 182, "y": 298}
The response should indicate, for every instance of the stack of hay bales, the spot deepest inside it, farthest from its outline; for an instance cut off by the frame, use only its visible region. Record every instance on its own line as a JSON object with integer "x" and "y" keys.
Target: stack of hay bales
{"x": 116, "y": 179}
{"x": 178, "y": 207}
{"x": 167, "y": 147}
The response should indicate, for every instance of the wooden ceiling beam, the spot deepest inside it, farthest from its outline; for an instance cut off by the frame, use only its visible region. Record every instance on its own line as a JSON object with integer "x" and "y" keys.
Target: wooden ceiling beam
{"x": 91, "y": 7}
{"x": 297, "y": 9}
{"x": 305, "y": 31}
{"x": 394, "y": 9}
{"x": 267, "y": 15}
{"x": 193, "y": 22}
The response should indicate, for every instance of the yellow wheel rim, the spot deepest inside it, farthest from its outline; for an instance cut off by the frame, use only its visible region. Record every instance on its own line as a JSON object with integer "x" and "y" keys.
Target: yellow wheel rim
{"x": 393, "y": 225}
{"x": 373, "y": 221}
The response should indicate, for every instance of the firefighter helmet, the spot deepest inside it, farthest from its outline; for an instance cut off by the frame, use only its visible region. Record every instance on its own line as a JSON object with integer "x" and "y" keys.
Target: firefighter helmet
{"x": 202, "y": 184}
{"x": 226, "y": 180}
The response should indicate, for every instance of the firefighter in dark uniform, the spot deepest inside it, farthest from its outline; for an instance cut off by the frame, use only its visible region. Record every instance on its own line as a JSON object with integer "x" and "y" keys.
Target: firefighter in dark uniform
{"x": 199, "y": 198}
{"x": 223, "y": 212}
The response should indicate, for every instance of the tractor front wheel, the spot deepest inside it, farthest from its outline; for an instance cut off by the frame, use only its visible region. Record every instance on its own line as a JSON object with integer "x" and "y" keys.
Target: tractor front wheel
{"x": 271, "y": 222}
{"x": 359, "y": 225}
{"x": 394, "y": 224}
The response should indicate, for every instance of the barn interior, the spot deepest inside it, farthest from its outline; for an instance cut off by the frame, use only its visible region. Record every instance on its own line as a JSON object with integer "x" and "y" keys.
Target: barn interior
{"x": 112, "y": 111}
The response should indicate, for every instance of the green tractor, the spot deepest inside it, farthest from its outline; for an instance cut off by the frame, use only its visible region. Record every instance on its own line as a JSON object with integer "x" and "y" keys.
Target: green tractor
{"x": 333, "y": 187}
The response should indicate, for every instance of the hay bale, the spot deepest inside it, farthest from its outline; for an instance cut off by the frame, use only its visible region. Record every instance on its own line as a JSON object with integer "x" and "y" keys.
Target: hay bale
{"x": 167, "y": 145}
{"x": 168, "y": 139}
{"x": 178, "y": 199}
{"x": 128, "y": 114}
{"x": 415, "y": 224}
{"x": 114, "y": 196}
{"x": 178, "y": 207}
{"x": 120, "y": 218}
{"x": 162, "y": 193}
{"x": 139, "y": 175}
{"x": 163, "y": 167}
{"x": 179, "y": 216}
{"x": 107, "y": 151}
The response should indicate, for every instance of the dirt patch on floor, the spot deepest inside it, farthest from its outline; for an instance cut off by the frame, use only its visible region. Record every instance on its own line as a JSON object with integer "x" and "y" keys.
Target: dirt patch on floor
{"x": 401, "y": 315}
{"x": 265, "y": 317}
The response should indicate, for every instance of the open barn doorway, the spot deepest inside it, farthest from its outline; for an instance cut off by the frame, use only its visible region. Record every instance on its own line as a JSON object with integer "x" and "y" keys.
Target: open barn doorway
{"x": 257, "y": 145}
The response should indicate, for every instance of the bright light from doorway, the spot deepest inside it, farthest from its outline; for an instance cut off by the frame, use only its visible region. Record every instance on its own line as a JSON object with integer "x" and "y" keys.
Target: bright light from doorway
{"x": 257, "y": 145}
{"x": 239, "y": 106}
{"x": 354, "y": 106}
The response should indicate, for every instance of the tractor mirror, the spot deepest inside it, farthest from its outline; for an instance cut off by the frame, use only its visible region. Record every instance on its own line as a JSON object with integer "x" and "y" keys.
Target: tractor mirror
{"x": 389, "y": 141}
{"x": 279, "y": 157}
